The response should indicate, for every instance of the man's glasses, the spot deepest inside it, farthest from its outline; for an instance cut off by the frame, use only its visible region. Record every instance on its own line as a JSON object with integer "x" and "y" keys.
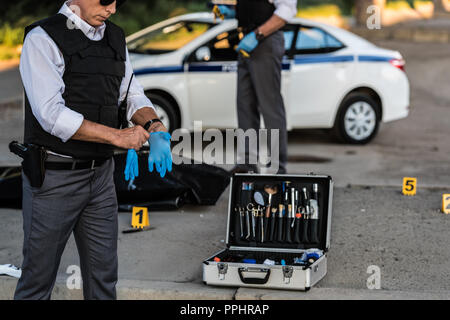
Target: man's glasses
{"x": 108, "y": 2}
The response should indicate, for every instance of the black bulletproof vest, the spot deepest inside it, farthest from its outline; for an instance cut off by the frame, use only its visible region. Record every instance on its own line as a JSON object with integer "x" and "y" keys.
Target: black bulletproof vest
{"x": 253, "y": 13}
{"x": 93, "y": 73}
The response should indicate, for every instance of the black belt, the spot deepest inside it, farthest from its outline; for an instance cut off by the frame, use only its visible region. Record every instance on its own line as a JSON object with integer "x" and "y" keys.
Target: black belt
{"x": 74, "y": 164}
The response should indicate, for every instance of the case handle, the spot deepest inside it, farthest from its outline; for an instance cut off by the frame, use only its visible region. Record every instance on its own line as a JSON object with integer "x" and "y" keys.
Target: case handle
{"x": 250, "y": 280}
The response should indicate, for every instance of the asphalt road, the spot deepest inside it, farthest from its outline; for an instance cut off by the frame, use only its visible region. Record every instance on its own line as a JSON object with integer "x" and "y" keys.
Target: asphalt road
{"x": 10, "y": 85}
{"x": 373, "y": 224}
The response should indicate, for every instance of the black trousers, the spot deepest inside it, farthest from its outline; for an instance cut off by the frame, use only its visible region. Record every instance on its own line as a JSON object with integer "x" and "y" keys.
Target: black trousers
{"x": 80, "y": 201}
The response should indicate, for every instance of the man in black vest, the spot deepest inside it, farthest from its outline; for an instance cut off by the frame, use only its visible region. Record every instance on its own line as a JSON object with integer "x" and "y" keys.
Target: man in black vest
{"x": 75, "y": 69}
{"x": 259, "y": 75}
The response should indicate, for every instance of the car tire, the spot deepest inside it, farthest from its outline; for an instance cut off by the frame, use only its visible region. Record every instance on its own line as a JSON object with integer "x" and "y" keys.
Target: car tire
{"x": 358, "y": 119}
{"x": 166, "y": 111}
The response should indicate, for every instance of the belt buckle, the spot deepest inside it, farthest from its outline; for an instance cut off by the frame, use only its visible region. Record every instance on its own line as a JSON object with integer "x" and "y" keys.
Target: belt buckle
{"x": 93, "y": 164}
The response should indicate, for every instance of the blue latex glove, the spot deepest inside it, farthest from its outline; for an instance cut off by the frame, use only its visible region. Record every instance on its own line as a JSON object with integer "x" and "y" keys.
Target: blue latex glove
{"x": 131, "y": 166}
{"x": 227, "y": 12}
{"x": 160, "y": 154}
{"x": 249, "y": 43}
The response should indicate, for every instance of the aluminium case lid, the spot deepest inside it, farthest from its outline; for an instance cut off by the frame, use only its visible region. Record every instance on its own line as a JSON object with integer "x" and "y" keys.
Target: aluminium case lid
{"x": 325, "y": 208}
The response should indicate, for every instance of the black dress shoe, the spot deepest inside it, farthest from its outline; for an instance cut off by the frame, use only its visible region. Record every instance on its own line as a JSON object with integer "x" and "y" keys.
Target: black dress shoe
{"x": 241, "y": 168}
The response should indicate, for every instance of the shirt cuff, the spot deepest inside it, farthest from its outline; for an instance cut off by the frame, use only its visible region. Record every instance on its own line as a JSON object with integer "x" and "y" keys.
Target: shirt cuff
{"x": 67, "y": 123}
{"x": 137, "y": 102}
{"x": 285, "y": 12}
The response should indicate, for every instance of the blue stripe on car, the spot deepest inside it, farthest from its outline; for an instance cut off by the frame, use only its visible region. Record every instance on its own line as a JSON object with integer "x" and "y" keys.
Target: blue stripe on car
{"x": 374, "y": 59}
{"x": 322, "y": 59}
{"x": 172, "y": 69}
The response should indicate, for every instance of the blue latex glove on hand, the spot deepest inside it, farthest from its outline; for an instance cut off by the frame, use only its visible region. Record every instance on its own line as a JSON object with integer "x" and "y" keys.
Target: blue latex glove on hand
{"x": 227, "y": 12}
{"x": 160, "y": 153}
{"x": 131, "y": 166}
{"x": 248, "y": 43}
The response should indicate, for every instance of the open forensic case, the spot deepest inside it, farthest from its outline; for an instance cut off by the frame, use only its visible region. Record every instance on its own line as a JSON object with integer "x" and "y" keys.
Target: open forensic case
{"x": 278, "y": 233}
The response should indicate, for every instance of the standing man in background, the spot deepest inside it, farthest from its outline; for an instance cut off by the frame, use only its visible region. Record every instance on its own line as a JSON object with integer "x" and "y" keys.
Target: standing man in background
{"x": 75, "y": 69}
{"x": 259, "y": 75}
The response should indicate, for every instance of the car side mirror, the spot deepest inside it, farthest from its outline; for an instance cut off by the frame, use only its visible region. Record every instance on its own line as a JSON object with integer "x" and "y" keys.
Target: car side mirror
{"x": 203, "y": 54}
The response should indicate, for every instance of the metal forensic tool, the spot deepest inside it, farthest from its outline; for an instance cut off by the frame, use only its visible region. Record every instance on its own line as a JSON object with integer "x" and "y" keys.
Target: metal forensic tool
{"x": 240, "y": 212}
{"x": 298, "y": 217}
{"x": 255, "y": 212}
{"x": 272, "y": 224}
{"x": 305, "y": 216}
{"x": 242, "y": 221}
{"x": 247, "y": 219}
{"x": 259, "y": 199}
{"x": 280, "y": 222}
{"x": 295, "y": 206}
{"x": 270, "y": 190}
{"x": 314, "y": 218}
{"x": 289, "y": 198}
{"x": 247, "y": 190}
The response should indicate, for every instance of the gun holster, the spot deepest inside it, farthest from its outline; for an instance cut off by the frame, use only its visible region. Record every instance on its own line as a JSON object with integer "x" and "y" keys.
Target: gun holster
{"x": 33, "y": 164}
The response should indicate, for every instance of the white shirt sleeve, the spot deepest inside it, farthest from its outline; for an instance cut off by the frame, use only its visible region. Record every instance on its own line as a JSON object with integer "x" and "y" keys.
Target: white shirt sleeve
{"x": 42, "y": 68}
{"x": 136, "y": 96}
{"x": 285, "y": 9}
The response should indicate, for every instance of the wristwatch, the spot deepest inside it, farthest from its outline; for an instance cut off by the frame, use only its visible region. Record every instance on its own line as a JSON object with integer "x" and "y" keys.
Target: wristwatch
{"x": 149, "y": 123}
{"x": 259, "y": 35}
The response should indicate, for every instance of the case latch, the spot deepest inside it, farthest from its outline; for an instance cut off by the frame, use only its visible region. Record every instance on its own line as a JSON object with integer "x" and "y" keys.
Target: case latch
{"x": 223, "y": 268}
{"x": 287, "y": 274}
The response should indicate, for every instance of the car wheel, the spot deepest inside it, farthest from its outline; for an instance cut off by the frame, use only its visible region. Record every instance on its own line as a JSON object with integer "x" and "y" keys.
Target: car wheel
{"x": 358, "y": 119}
{"x": 166, "y": 111}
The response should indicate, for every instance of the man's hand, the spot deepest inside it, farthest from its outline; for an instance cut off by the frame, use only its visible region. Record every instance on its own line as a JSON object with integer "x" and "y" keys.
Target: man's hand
{"x": 160, "y": 154}
{"x": 131, "y": 138}
{"x": 248, "y": 43}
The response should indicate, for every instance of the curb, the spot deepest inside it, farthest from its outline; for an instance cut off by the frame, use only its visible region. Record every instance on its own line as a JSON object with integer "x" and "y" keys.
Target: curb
{"x": 160, "y": 290}
{"x": 339, "y": 294}
{"x": 134, "y": 290}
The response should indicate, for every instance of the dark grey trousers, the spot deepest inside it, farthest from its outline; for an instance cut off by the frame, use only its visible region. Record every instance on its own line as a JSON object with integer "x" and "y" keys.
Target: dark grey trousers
{"x": 259, "y": 93}
{"x": 80, "y": 201}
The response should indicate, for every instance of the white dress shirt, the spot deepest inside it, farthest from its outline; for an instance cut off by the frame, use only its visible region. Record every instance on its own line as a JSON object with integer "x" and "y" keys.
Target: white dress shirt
{"x": 42, "y": 69}
{"x": 285, "y": 9}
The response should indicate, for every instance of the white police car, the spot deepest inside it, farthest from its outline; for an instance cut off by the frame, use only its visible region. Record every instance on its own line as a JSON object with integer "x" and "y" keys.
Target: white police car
{"x": 331, "y": 77}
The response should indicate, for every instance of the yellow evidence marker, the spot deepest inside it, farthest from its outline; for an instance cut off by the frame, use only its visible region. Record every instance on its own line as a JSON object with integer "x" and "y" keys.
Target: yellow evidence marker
{"x": 139, "y": 217}
{"x": 446, "y": 203}
{"x": 409, "y": 186}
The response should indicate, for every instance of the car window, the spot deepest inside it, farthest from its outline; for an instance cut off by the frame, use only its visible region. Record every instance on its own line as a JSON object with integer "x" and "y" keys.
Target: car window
{"x": 221, "y": 48}
{"x": 315, "y": 40}
{"x": 168, "y": 38}
{"x": 288, "y": 38}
